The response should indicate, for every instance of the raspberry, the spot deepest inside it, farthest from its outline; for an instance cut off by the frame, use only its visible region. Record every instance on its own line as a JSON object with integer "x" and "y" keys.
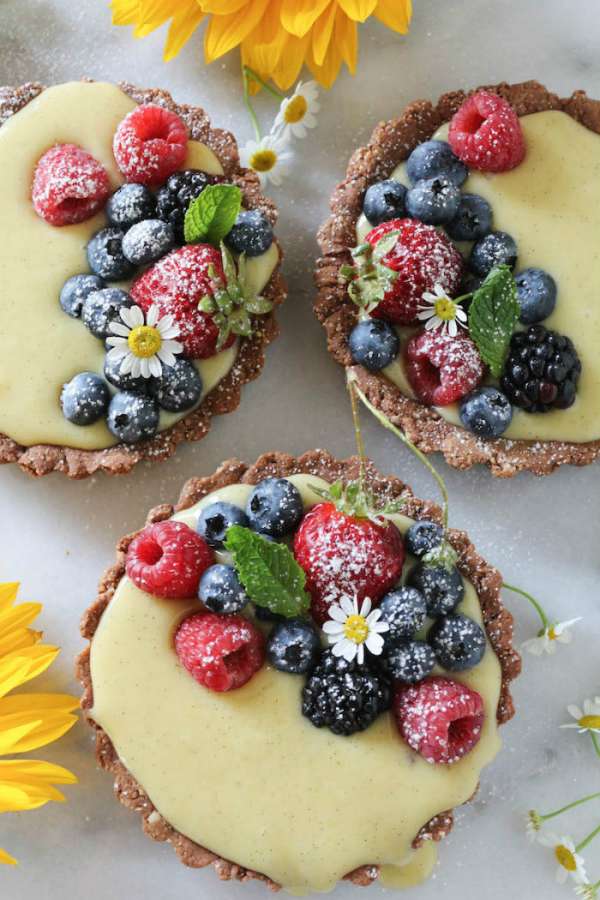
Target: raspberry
{"x": 220, "y": 652}
{"x": 439, "y": 718}
{"x": 422, "y": 257}
{"x": 442, "y": 369}
{"x": 176, "y": 284}
{"x": 486, "y": 133}
{"x": 167, "y": 559}
{"x": 150, "y": 144}
{"x": 69, "y": 185}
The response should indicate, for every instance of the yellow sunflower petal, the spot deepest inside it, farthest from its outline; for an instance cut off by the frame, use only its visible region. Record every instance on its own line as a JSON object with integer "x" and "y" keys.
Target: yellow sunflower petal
{"x": 25, "y": 796}
{"x": 346, "y": 38}
{"x": 5, "y": 859}
{"x": 8, "y": 593}
{"x": 262, "y": 49}
{"x": 23, "y": 665}
{"x": 18, "y": 617}
{"x": 124, "y": 12}
{"x": 181, "y": 29}
{"x": 328, "y": 71}
{"x": 23, "y": 769}
{"x": 321, "y": 36}
{"x": 299, "y": 16}
{"x": 358, "y": 10}
{"x": 287, "y": 70}
{"x": 17, "y": 704}
{"x": 395, "y": 14}
{"x": 36, "y": 733}
{"x": 10, "y": 738}
{"x": 222, "y": 7}
{"x": 18, "y": 640}
{"x": 226, "y": 32}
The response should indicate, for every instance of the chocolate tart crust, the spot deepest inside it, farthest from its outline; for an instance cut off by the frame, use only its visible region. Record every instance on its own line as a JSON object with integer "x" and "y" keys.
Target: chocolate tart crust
{"x": 486, "y": 580}
{"x": 390, "y": 144}
{"x": 41, "y": 459}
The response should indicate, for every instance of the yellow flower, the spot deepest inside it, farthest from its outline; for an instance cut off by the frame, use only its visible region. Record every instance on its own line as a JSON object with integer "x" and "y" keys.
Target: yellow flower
{"x": 27, "y": 721}
{"x": 276, "y": 37}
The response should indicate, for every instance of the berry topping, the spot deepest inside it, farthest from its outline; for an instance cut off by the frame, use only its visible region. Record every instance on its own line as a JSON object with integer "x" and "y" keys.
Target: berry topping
{"x": 220, "y": 652}
{"x": 167, "y": 559}
{"x": 293, "y": 646}
{"x": 274, "y": 507}
{"x": 439, "y": 718}
{"x": 220, "y": 590}
{"x": 542, "y": 370}
{"x": 405, "y": 610}
{"x": 102, "y": 307}
{"x": 458, "y": 642}
{"x": 473, "y": 219}
{"x": 434, "y": 201}
{"x": 422, "y": 537}
{"x": 383, "y": 201}
{"x": 536, "y": 293}
{"x": 69, "y": 185}
{"x": 346, "y": 556}
{"x": 410, "y": 662}
{"x": 433, "y": 159}
{"x": 75, "y": 290}
{"x": 132, "y": 417}
{"x": 495, "y": 249}
{"x": 373, "y": 344}
{"x": 125, "y": 381}
{"x": 442, "y": 369}
{"x": 486, "y": 133}
{"x": 344, "y": 696}
{"x": 179, "y": 387}
{"x": 150, "y": 144}
{"x": 216, "y": 519}
{"x": 251, "y": 234}
{"x": 174, "y": 198}
{"x": 130, "y": 204}
{"x": 105, "y": 255}
{"x": 442, "y": 587}
{"x": 84, "y": 399}
{"x": 486, "y": 412}
{"x": 147, "y": 241}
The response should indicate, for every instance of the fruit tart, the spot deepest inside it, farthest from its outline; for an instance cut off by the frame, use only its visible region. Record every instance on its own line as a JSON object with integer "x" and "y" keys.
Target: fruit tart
{"x": 296, "y": 673}
{"x": 140, "y": 271}
{"x": 458, "y": 275}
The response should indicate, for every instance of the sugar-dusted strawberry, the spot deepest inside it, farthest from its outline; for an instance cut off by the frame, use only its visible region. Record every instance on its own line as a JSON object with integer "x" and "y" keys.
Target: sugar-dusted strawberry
{"x": 439, "y": 718}
{"x": 220, "y": 652}
{"x": 69, "y": 185}
{"x": 486, "y": 133}
{"x": 150, "y": 144}
{"x": 167, "y": 559}
{"x": 442, "y": 369}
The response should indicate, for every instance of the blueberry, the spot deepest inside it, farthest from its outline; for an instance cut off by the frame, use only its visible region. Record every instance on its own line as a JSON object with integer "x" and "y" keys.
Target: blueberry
{"x": 85, "y": 398}
{"x": 100, "y": 308}
{"x": 434, "y": 201}
{"x": 432, "y": 158}
{"x": 132, "y": 417}
{"x": 383, "y": 201}
{"x": 130, "y": 204}
{"x": 536, "y": 293}
{"x": 265, "y": 615}
{"x": 422, "y": 537}
{"x": 220, "y": 590}
{"x": 179, "y": 387}
{"x": 275, "y": 507}
{"x": 442, "y": 588}
{"x": 147, "y": 241}
{"x": 473, "y": 219}
{"x": 494, "y": 249}
{"x": 75, "y": 290}
{"x": 457, "y": 641}
{"x": 215, "y": 520}
{"x": 293, "y": 646}
{"x": 405, "y": 611}
{"x": 409, "y": 662}
{"x": 373, "y": 344}
{"x": 487, "y": 412}
{"x": 105, "y": 255}
{"x": 252, "y": 233}
{"x": 128, "y": 382}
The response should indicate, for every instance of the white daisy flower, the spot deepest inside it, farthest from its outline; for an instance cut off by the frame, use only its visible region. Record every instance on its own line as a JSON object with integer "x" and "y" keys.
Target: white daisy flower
{"x": 351, "y": 629}
{"x": 533, "y": 825}
{"x": 547, "y": 639}
{"x": 440, "y": 312}
{"x": 269, "y": 158}
{"x": 298, "y": 113}
{"x": 587, "y": 891}
{"x": 586, "y": 719}
{"x": 570, "y": 863}
{"x": 143, "y": 343}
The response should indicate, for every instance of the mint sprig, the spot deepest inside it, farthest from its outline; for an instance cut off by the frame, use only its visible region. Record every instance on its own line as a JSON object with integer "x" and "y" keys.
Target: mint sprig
{"x": 493, "y": 315}
{"x": 268, "y": 571}
{"x": 212, "y": 214}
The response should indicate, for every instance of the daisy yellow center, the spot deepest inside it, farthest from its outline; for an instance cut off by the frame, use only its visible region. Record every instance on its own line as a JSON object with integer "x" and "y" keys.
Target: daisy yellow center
{"x": 565, "y": 858}
{"x": 356, "y": 629}
{"x": 144, "y": 341}
{"x": 295, "y": 110}
{"x": 589, "y": 722}
{"x": 445, "y": 309}
{"x": 552, "y": 635}
{"x": 263, "y": 160}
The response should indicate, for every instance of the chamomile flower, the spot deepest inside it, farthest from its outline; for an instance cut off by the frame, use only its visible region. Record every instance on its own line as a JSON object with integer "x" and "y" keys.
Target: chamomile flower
{"x": 298, "y": 113}
{"x": 570, "y": 863}
{"x": 533, "y": 825}
{"x": 587, "y": 891}
{"x": 440, "y": 312}
{"x": 351, "y": 629}
{"x": 548, "y": 637}
{"x": 142, "y": 343}
{"x": 586, "y": 719}
{"x": 269, "y": 158}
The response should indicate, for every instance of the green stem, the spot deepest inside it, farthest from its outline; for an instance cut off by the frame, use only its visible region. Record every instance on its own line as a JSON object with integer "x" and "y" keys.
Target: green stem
{"x": 588, "y": 840}
{"x": 360, "y": 446}
{"x": 569, "y": 806}
{"x": 537, "y": 606}
{"x": 268, "y": 87}
{"x": 248, "y": 105}
{"x": 596, "y": 743}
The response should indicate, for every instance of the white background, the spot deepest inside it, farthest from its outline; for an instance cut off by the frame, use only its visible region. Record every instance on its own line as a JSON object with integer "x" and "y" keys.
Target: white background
{"x": 57, "y": 537}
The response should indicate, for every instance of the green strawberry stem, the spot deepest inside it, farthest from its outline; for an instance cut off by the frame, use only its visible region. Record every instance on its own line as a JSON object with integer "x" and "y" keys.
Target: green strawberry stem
{"x": 535, "y": 603}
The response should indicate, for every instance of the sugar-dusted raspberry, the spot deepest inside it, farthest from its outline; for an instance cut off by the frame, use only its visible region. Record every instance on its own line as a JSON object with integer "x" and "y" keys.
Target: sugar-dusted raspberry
{"x": 69, "y": 185}
{"x": 150, "y": 144}
{"x": 486, "y": 133}
{"x": 442, "y": 369}
{"x": 439, "y": 718}
{"x": 220, "y": 652}
{"x": 167, "y": 559}
{"x": 422, "y": 257}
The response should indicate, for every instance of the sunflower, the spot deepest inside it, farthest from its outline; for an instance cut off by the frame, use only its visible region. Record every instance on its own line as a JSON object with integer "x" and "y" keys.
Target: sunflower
{"x": 27, "y": 721}
{"x": 276, "y": 37}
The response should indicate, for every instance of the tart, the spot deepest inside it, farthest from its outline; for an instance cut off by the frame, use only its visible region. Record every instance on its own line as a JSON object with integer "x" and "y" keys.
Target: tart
{"x": 454, "y": 274}
{"x": 318, "y": 624}
{"x": 140, "y": 274}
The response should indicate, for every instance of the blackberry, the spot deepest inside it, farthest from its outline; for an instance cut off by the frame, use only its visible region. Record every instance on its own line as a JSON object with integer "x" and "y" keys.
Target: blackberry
{"x": 542, "y": 370}
{"x": 344, "y": 696}
{"x": 175, "y": 196}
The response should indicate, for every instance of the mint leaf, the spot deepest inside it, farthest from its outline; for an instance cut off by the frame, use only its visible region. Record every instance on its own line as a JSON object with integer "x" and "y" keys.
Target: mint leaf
{"x": 268, "y": 571}
{"x": 212, "y": 214}
{"x": 493, "y": 315}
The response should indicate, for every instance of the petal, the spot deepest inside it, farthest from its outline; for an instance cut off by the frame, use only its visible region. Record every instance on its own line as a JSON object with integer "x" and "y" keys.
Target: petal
{"x": 338, "y": 648}
{"x": 452, "y": 329}
{"x": 373, "y": 617}
{"x": 380, "y": 627}
{"x": 154, "y": 366}
{"x": 135, "y": 365}
{"x": 117, "y": 328}
{"x": 337, "y": 613}
{"x": 334, "y": 628}
{"x": 152, "y": 316}
{"x": 349, "y": 606}
{"x": 145, "y": 371}
{"x": 366, "y": 607}
{"x": 116, "y": 353}
{"x": 358, "y": 10}
{"x": 395, "y": 14}
{"x": 533, "y": 645}
{"x": 225, "y": 32}
{"x": 183, "y": 25}
{"x": 127, "y": 364}
{"x": 299, "y": 16}
{"x": 360, "y": 654}
{"x": 575, "y": 711}
{"x": 374, "y": 643}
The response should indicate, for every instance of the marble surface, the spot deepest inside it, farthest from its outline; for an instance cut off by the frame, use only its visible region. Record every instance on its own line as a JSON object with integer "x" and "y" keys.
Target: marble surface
{"x": 57, "y": 536}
